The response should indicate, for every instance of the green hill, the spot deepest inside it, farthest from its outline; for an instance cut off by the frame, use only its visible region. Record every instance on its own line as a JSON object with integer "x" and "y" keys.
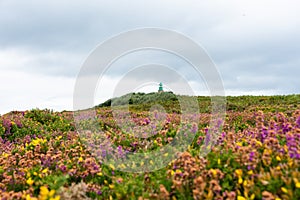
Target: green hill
{"x": 143, "y": 101}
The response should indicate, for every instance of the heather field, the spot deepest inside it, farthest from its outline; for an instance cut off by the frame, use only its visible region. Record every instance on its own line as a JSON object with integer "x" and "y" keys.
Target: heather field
{"x": 256, "y": 156}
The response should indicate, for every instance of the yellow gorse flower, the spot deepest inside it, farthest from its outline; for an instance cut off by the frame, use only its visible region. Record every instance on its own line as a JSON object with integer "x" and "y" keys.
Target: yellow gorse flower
{"x": 172, "y": 172}
{"x": 99, "y": 174}
{"x": 29, "y": 181}
{"x": 259, "y": 143}
{"x": 51, "y": 193}
{"x": 245, "y": 183}
{"x": 28, "y": 197}
{"x": 112, "y": 167}
{"x": 239, "y": 172}
{"x": 278, "y": 158}
{"x": 240, "y": 181}
{"x": 214, "y": 172}
{"x": 123, "y": 166}
{"x": 5, "y": 155}
{"x": 37, "y": 141}
{"x": 111, "y": 186}
{"x": 55, "y": 198}
{"x": 290, "y": 163}
{"x": 297, "y": 183}
{"x": 284, "y": 190}
{"x": 45, "y": 171}
{"x": 44, "y": 191}
{"x": 46, "y": 194}
{"x": 239, "y": 144}
{"x": 241, "y": 198}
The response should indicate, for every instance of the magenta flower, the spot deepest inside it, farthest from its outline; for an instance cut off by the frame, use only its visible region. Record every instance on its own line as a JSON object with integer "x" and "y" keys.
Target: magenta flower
{"x": 298, "y": 122}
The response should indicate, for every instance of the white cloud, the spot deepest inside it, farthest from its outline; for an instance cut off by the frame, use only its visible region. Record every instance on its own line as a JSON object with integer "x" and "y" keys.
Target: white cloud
{"x": 249, "y": 92}
{"x": 43, "y": 44}
{"x": 55, "y": 63}
{"x": 21, "y": 91}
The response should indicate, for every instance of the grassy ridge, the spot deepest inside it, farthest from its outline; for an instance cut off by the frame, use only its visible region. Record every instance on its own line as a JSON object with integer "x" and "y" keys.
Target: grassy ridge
{"x": 142, "y": 102}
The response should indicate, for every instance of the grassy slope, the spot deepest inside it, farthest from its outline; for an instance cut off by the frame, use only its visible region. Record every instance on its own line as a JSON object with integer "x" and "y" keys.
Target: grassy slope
{"x": 41, "y": 148}
{"x": 142, "y": 102}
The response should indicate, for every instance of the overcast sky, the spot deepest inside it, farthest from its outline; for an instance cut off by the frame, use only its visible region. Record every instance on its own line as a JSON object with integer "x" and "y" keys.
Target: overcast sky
{"x": 254, "y": 45}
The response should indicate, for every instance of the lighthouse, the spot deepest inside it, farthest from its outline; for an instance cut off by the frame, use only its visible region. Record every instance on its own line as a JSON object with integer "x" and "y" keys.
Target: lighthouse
{"x": 160, "y": 88}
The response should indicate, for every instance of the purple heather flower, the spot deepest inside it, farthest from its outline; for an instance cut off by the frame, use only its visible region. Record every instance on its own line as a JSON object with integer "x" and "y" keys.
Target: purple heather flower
{"x": 286, "y": 128}
{"x": 147, "y": 121}
{"x": 223, "y": 134}
{"x": 19, "y": 124}
{"x": 156, "y": 115}
{"x": 168, "y": 120}
{"x": 281, "y": 150}
{"x": 194, "y": 128}
{"x": 21, "y": 173}
{"x": 251, "y": 156}
{"x": 298, "y": 122}
{"x": 120, "y": 151}
{"x": 72, "y": 173}
{"x": 95, "y": 167}
{"x": 103, "y": 153}
{"x": 207, "y": 139}
{"x": 63, "y": 168}
{"x": 293, "y": 149}
{"x": 206, "y": 130}
{"x": 118, "y": 181}
{"x": 45, "y": 162}
{"x": 199, "y": 140}
{"x": 263, "y": 135}
{"x": 7, "y": 125}
{"x": 219, "y": 123}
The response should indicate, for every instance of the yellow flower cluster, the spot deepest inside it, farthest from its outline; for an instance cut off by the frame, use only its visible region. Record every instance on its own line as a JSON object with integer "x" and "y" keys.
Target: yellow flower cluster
{"x": 239, "y": 174}
{"x": 37, "y": 141}
{"x": 45, "y": 194}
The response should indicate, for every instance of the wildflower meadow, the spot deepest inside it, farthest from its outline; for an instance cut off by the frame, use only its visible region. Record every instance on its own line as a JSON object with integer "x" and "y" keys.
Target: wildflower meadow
{"x": 256, "y": 156}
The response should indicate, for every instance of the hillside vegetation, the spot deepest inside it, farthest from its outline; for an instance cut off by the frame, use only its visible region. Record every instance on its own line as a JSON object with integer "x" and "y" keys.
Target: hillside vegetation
{"x": 143, "y": 101}
{"x": 256, "y": 155}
